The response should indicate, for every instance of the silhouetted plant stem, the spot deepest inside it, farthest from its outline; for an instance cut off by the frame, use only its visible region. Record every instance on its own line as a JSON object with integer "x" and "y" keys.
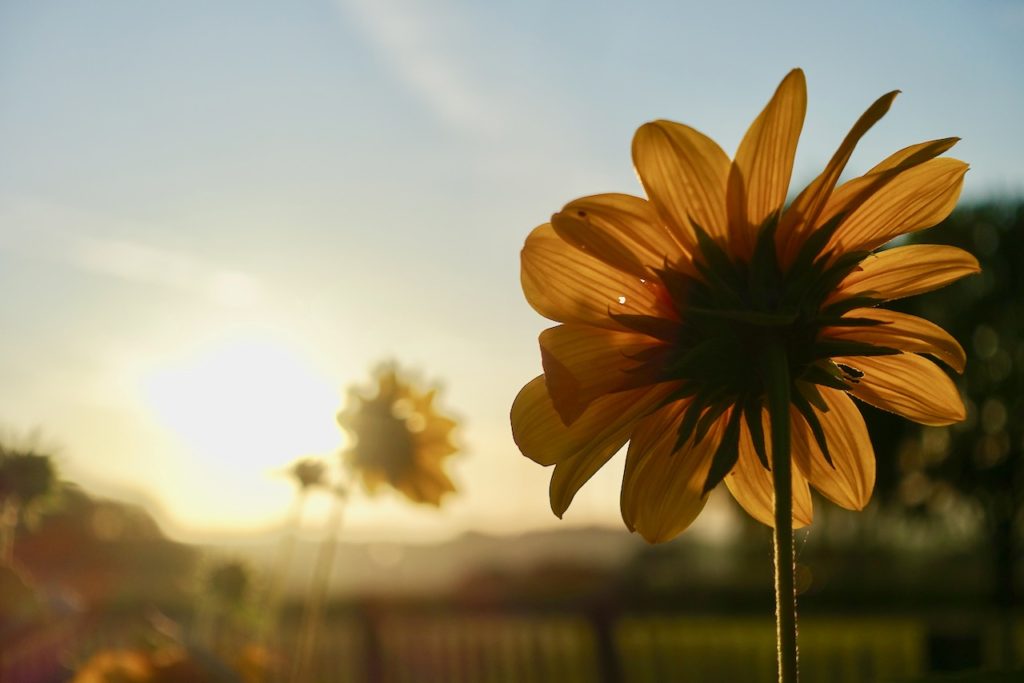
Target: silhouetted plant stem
{"x": 9, "y": 515}
{"x": 286, "y": 548}
{"x": 313, "y": 614}
{"x": 777, "y": 387}
{"x": 279, "y": 579}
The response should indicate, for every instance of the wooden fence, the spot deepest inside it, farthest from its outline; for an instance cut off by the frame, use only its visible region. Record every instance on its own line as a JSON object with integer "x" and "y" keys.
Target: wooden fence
{"x": 544, "y": 648}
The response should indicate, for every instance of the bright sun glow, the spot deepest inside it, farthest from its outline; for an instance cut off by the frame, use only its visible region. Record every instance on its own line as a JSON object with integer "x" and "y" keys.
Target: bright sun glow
{"x": 245, "y": 406}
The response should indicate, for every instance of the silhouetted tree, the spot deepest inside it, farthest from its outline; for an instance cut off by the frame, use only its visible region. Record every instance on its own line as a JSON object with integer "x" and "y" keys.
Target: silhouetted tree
{"x": 25, "y": 478}
{"x": 980, "y": 461}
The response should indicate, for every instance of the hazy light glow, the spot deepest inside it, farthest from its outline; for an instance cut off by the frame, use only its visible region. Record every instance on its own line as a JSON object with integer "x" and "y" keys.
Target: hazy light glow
{"x": 217, "y": 216}
{"x": 243, "y": 408}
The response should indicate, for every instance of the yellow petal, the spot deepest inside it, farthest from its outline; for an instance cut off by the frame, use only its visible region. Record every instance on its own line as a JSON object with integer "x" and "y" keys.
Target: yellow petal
{"x": 580, "y": 450}
{"x": 904, "y": 332}
{"x": 752, "y": 486}
{"x": 684, "y": 174}
{"x": 905, "y": 271}
{"x": 662, "y": 491}
{"x": 567, "y": 285}
{"x": 915, "y": 199}
{"x": 582, "y": 363}
{"x": 800, "y": 218}
{"x": 907, "y": 385}
{"x": 914, "y": 154}
{"x": 621, "y": 230}
{"x": 759, "y": 177}
{"x": 849, "y": 484}
{"x": 852, "y": 193}
{"x": 425, "y": 486}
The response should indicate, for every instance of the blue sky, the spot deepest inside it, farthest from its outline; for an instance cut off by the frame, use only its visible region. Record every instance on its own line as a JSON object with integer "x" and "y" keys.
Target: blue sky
{"x": 214, "y": 216}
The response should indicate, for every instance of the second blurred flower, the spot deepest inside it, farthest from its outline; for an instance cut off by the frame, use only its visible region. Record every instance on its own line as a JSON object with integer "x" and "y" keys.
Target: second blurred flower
{"x": 398, "y": 437}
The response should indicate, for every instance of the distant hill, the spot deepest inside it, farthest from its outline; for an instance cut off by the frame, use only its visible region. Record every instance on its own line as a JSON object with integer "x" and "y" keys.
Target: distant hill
{"x": 90, "y": 551}
{"x": 420, "y": 570}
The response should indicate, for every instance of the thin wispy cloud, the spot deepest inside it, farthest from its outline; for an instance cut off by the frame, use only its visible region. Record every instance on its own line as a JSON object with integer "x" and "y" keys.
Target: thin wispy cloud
{"x": 143, "y": 264}
{"x": 411, "y": 41}
{"x": 33, "y": 232}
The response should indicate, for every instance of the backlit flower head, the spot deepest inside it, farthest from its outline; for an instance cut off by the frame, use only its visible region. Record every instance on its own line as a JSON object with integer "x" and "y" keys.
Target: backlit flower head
{"x": 309, "y": 473}
{"x": 399, "y": 437}
{"x": 666, "y": 303}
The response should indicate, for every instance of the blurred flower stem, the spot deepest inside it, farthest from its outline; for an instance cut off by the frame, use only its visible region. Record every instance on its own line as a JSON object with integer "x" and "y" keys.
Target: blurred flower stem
{"x": 9, "y": 515}
{"x": 285, "y": 550}
{"x": 776, "y": 377}
{"x": 313, "y": 614}
{"x": 308, "y": 473}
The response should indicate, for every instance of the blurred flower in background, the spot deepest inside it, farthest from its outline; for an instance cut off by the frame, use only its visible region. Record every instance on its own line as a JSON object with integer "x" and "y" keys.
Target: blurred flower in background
{"x": 308, "y": 473}
{"x": 116, "y": 666}
{"x": 228, "y": 583}
{"x": 399, "y": 437}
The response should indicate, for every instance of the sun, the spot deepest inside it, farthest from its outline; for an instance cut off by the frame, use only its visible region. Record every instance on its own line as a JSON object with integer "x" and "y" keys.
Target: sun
{"x": 244, "y": 405}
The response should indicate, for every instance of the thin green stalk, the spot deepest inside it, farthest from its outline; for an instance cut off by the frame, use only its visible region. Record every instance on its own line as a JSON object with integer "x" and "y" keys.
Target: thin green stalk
{"x": 777, "y": 387}
{"x": 285, "y": 550}
{"x": 10, "y": 512}
{"x": 279, "y": 579}
{"x": 318, "y": 594}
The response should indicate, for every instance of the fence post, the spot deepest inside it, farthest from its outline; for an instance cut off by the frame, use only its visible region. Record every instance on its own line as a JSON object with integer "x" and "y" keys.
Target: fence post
{"x": 373, "y": 662}
{"x": 602, "y": 620}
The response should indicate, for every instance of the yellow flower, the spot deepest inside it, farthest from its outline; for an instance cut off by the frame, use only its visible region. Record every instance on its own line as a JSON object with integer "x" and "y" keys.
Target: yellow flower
{"x": 667, "y": 303}
{"x": 115, "y": 666}
{"x": 399, "y": 438}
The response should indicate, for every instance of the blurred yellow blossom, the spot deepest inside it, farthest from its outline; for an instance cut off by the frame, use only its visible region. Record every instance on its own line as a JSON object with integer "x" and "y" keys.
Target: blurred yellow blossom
{"x": 398, "y": 437}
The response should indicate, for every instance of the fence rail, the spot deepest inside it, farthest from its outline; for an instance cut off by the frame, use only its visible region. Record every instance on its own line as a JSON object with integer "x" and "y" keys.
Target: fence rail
{"x": 559, "y": 648}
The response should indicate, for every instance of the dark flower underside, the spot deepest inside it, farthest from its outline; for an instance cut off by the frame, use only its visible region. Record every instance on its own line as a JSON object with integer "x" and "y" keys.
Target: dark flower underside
{"x": 730, "y": 314}
{"x": 384, "y": 441}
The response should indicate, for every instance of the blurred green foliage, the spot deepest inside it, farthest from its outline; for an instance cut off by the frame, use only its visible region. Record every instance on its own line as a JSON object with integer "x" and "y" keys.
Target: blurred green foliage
{"x": 975, "y": 467}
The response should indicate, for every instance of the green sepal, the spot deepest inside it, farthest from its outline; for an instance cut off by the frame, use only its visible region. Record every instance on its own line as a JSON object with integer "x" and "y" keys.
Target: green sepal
{"x": 689, "y": 421}
{"x": 653, "y": 326}
{"x": 693, "y": 358}
{"x": 727, "y": 453}
{"x": 750, "y": 317}
{"x": 686, "y": 390}
{"x": 713, "y": 253}
{"x": 710, "y": 399}
{"x": 752, "y": 412}
{"x": 844, "y": 264}
{"x": 651, "y": 353}
{"x": 811, "y": 418}
{"x": 851, "y": 372}
{"x": 809, "y": 391}
{"x": 817, "y": 374}
{"x": 713, "y": 412}
{"x": 677, "y": 284}
{"x": 717, "y": 267}
{"x": 764, "y": 265}
{"x": 843, "y": 306}
{"x": 835, "y": 321}
{"x": 812, "y": 246}
{"x": 829, "y": 348}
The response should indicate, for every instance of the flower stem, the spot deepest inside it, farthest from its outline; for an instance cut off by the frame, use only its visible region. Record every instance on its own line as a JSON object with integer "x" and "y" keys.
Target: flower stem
{"x": 9, "y": 515}
{"x": 318, "y": 594}
{"x": 777, "y": 388}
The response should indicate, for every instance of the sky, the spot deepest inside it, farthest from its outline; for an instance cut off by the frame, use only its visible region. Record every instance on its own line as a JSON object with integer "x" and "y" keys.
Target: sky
{"x": 217, "y": 216}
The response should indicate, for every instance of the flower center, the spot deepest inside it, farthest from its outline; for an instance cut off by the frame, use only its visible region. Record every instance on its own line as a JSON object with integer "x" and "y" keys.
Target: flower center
{"x": 730, "y": 311}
